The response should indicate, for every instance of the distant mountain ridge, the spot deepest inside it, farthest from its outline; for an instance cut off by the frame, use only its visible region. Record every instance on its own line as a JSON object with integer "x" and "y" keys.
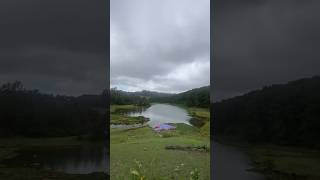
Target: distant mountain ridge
{"x": 150, "y": 94}
{"x": 194, "y": 97}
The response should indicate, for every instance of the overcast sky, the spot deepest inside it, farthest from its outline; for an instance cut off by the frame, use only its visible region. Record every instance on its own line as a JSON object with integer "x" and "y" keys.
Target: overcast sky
{"x": 160, "y": 45}
{"x": 261, "y": 42}
{"x": 54, "y": 46}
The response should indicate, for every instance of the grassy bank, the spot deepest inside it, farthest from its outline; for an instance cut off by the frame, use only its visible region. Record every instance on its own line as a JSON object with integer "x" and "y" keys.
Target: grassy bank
{"x": 124, "y": 108}
{"x": 201, "y": 118}
{"x": 280, "y": 162}
{"x": 286, "y": 163}
{"x": 118, "y": 117}
{"x": 145, "y": 152}
{"x": 9, "y": 148}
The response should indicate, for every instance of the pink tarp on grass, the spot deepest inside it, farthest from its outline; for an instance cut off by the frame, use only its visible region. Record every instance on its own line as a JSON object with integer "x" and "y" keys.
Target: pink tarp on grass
{"x": 163, "y": 127}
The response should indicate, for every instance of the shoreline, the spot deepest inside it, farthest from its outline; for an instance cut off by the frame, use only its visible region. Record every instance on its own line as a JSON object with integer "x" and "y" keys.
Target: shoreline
{"x": 278, "y": 161}
{"x": 10, "y": 148}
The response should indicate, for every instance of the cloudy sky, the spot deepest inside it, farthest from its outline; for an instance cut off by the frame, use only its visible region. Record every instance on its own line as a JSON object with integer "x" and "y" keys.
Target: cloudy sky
{"x": 160, "y": 45}
{"x": 54, "y": 46}
{"x": 261, "y": 42}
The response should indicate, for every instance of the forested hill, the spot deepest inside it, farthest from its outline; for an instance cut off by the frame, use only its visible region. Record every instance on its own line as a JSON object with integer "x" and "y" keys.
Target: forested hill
{"x": 199, "y": 97}
{"x": 122, "y": 97}
{"x": 34, "y": 114}
{"x": 196, "y": 97}
{"x": 281, "y": 114}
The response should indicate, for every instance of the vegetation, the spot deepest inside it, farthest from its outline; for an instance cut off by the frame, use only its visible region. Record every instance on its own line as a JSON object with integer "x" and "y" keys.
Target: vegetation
{"x": 279, "y": 127}
{"x": 36, "y": 174}
{"x": 286, "y": 163}
{"x": 149, "y": 148}
{"x": 30, "y": 113}
{"x": 199, "y": 97}
{"x": 122, "y": 98}
{"x": 280, "y": 114}
{"x": 9, "y": 149}
{"x": 200, "y": 117}
{"x": 141, "y": 153}
{"x": 117, "y": 114}
{"x": 32, "y": 120}
{"x": 117, "y": 119}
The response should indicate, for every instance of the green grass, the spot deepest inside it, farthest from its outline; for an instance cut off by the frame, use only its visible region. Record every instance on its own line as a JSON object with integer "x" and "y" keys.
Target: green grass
{"x": 202, "y": 113}
{"x": 117, "y": 108}
{"x": 37, "y": 174}
{"x": 119, "y": 118}
{"x": 279, "y": 162}
{"x": 127, "y": 120}
{"x": 56, "y": 141}
{"x": 205, "y": 129}
{"x": 148, "y": 147}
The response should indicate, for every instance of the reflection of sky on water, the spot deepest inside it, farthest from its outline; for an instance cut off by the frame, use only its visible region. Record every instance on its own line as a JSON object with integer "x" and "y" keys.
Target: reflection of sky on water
{"x": 231, "y": 163}
{"x": 75, "y": 160}
{"x": 83, "y": 161}
{"x": 164, "y": 113}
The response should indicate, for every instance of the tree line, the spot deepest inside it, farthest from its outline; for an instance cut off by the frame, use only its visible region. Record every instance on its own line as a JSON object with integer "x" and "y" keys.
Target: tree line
{"x": 280, "y": 114}
{"x": 121, "y": 98}
{"x": 199, "y": 97}
{"x": 31, "y": 113}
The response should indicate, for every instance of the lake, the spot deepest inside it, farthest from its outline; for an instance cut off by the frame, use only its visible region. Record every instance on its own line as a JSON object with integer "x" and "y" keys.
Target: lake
{"x": 72, "y": 160}
{"x": 232, "y": 163}
{"x": 163, "y": 113}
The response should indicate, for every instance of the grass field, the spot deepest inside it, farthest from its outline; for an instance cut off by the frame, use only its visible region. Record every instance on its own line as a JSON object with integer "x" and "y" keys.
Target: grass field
{"x": 143, "y": 151}
{"x": 120, "y": 108}
{"x": 280, "y": 162}
{"x": 286, "y": 163}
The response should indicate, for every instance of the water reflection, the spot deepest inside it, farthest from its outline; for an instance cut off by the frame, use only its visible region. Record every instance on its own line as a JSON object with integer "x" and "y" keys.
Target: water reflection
{"x": 231, "y": 163}
{"x": 73, "y": 160}
{"x": 163, "y": 113}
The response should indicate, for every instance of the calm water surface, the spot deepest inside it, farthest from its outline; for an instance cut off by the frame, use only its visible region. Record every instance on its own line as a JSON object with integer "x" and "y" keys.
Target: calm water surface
{"x": 164, "y": 113}
{"x": 73, "y": 160}
{"x": 232, "y": 163}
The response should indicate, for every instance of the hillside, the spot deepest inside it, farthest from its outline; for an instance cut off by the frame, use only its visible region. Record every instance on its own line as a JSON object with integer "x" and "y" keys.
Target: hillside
{"x": 199, "y": 97}
{"x": 281, "y": 114}
{"x": 31, "y": 113}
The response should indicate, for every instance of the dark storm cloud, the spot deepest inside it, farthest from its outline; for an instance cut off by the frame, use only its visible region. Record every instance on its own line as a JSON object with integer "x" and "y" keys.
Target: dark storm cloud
{"x": 55, "y": 46}
{"x": 262, "y": 42}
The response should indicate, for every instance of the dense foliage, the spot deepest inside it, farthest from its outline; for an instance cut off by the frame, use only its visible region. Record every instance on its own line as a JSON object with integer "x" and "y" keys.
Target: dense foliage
{"x": 199, "y": 97}
{"x": 121, "y": 98}
{"x": 281, "y": 114}
{"x": 34, "y": 114}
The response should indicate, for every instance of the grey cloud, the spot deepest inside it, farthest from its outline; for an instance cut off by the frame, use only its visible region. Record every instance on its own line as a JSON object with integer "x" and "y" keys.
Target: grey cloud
{"x": 258, "y": 43}
{"x": 152, "y": 40}
{"x": 54, "y": 46}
